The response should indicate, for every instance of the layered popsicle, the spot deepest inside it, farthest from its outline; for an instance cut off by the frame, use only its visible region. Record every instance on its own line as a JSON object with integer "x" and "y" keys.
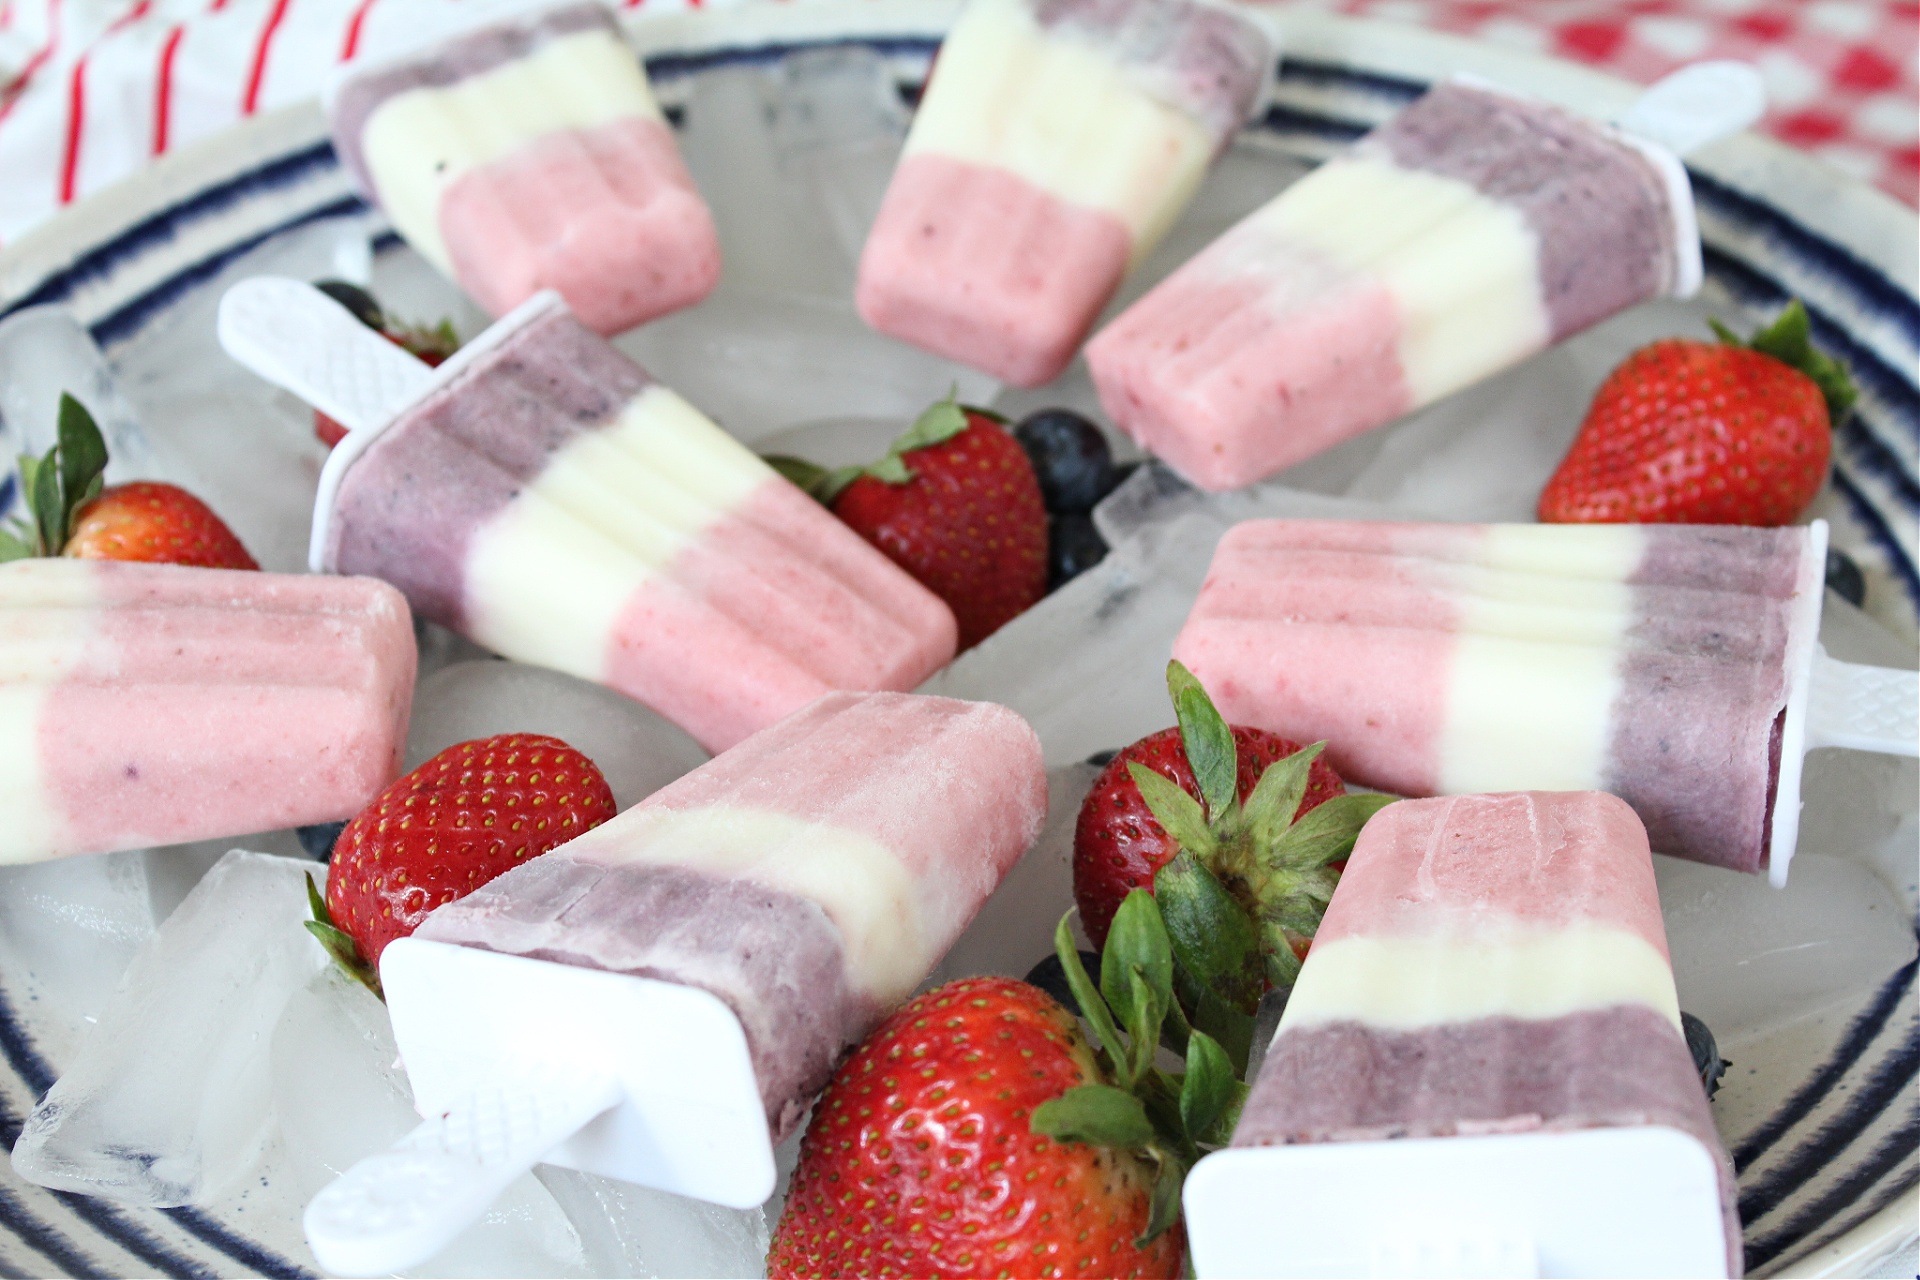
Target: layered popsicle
{"x": 1056, "y": 143}
{"x": 1490, "y": 965}
{"x": 551, "y": 501}
{"x": 1651, "y": 661}
{"x": 809, "y": 878}
{"x": 531, "y": 155}
{"x": 148, "y": 704}
{"x": 1471, "y": 230}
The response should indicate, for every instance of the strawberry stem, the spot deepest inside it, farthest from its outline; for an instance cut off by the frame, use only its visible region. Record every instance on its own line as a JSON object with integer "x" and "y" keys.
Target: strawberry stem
{"x": 57, "y": 486}
{"x": 1789, "y": 339}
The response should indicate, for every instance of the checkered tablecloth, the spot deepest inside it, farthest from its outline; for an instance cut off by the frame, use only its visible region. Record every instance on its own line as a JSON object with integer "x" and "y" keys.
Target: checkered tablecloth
{"x": 90, "y": 90}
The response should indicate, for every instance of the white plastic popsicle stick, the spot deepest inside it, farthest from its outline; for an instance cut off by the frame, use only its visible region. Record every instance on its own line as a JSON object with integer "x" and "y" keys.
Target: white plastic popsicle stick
{"x": 1697, "y": 105}
{"x": 1628, "y": 1201}
{"x": 1863, "y": 708}
{"x": 301, "y": 340}
{"x": 298, "y": 338}
{"x": 397, "y": 1209}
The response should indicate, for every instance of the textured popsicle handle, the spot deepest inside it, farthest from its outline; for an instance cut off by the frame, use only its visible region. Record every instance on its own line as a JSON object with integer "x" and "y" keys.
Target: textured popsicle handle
{"x": 397, "y": 1209}
{"x": 298, "y": 338}
{"x": 1696, "y": 105}
{"x": 1864, "y": 708}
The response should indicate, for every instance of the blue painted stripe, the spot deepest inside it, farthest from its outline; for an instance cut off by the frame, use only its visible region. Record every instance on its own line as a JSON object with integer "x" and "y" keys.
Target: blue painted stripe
{"x": 1886, "y": 1158}
{"x": 1860, "y": 1035}
{"x": 16, "y": 1044}
{"x": 164, "y": 226}
{"x": 111, "y": 1221}
{"x": 1891, "y": 1079}
{"x": 46, "y": 1240}
{"x": 675, "y": 66}
{"x": 1892, "y": 547}
{"x": 256, "y": 1259}
{"x": 1876, "y": 293}
{"x": 1292, "y": 120}
{"x": 1333, "y": 75}
{"x": 131, "y": 317}
{"x": 1893, "y": 1191}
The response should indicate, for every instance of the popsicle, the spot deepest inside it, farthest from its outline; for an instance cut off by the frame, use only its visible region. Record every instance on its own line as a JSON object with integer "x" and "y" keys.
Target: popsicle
{"x": 1489, "y": 992}
{"x": 540, "y": 494}
{"x": 149, "y": 704}
{"x": 691, "y": 971}
{"x": 1675, "y": 666}
{"x": 531, "y": 155}
{"x": 1055, "y": 144}
{"x": 1471, "y": 230}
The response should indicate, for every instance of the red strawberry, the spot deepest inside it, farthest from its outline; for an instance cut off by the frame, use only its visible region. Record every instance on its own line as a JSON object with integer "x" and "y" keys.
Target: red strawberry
{"x": 155, "y": 522}
{"x": 955, "y": 504}
{"x": 1693, "y": 432}
{"x": 921, "y": 1158}
{"x": 1118, "y": 844}
{"x": 69, "y": 514}
{"x": 473, "y": 811}
{"x": 1265, "y": 823}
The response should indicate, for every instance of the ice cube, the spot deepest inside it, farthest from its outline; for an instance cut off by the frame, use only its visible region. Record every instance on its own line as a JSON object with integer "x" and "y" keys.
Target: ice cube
{"x": 638, "y": 749}
{"x": 339, "y": 1095}
{"x": 1106, "y": 635}
{"x": 167, "y": 1099}
{"x": 760, "y": 361}
{"x": 1014, "y": 930}
{"x": 630, "y": 1230}
{"x": 793, "y": 162}
{"x": 45, "y": 352}
{"x": 68, "y": 930}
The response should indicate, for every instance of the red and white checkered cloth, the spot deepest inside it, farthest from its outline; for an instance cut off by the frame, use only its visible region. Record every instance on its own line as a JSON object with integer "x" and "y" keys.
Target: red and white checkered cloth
{"x": 90, "y": 90}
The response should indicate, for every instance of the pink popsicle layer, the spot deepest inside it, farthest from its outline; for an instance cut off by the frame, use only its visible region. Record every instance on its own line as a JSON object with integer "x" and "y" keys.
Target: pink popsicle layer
{"x": 693, "y": 642}
{"x": 608, "y": 217}
{"x": 974, "y": 263}
{"x": 203, "y": 703}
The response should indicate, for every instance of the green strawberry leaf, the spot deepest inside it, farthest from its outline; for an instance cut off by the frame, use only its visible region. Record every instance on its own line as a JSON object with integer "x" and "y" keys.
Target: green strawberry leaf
{"x": 1137, "y": 944}
{"x": 817, "y": 482}
{"x": 1106, "y": 1035}
{"x": 83, "y": 459}
{"x": 940, "y": 422}
{"x": 1179, "y": 813}
{"x": 1097, "y": 1114}
{"x": 1325, "y": 833}
{"x": 1276, "y": 797}
{"x": 1276, "y": 955}
{"x": 1211, "y": 935}
{"x": 1165, "y": 1209}
{"x": 1146, "y": 1010}
{"x": 1208, "y": 1087}
{"x": 13, "y": 547}
{"x": 338, "y": 943}
{"x": 1208, "y": 742}
{"x": 47, "y": 505}
{"x": 890, "y": 470}
{"x": 1789, "y": 339}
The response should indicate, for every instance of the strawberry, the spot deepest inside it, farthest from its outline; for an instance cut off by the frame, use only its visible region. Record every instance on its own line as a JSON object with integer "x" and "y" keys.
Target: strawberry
{"x": 1691, "y": 432}
{"x": 473, "y": 811}
{"x": 1118, "y": 845}
{"x": 155, "y": 522}
{"x": 954, "y": 503}
{"x": 978, "y": 1133}
{"x": 1240, "y": 835}
{"x": 432, "y": 344}
{"x": 70, "y": 514}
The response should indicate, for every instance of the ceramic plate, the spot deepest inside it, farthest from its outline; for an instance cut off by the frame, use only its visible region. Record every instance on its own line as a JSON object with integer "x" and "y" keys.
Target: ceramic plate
{"x": 1811, "y": 989}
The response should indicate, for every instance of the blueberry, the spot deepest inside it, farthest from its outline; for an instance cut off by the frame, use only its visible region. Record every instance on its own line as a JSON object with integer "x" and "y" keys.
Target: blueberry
{"x": 1844, "y": 578}
{"x": 1706, "y": 1054}
{"x": 318, "y": 839}
{"x": 1070, "y": 458}
{"x": 1073, "y": 547}
{"x": 356, "y": 300}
